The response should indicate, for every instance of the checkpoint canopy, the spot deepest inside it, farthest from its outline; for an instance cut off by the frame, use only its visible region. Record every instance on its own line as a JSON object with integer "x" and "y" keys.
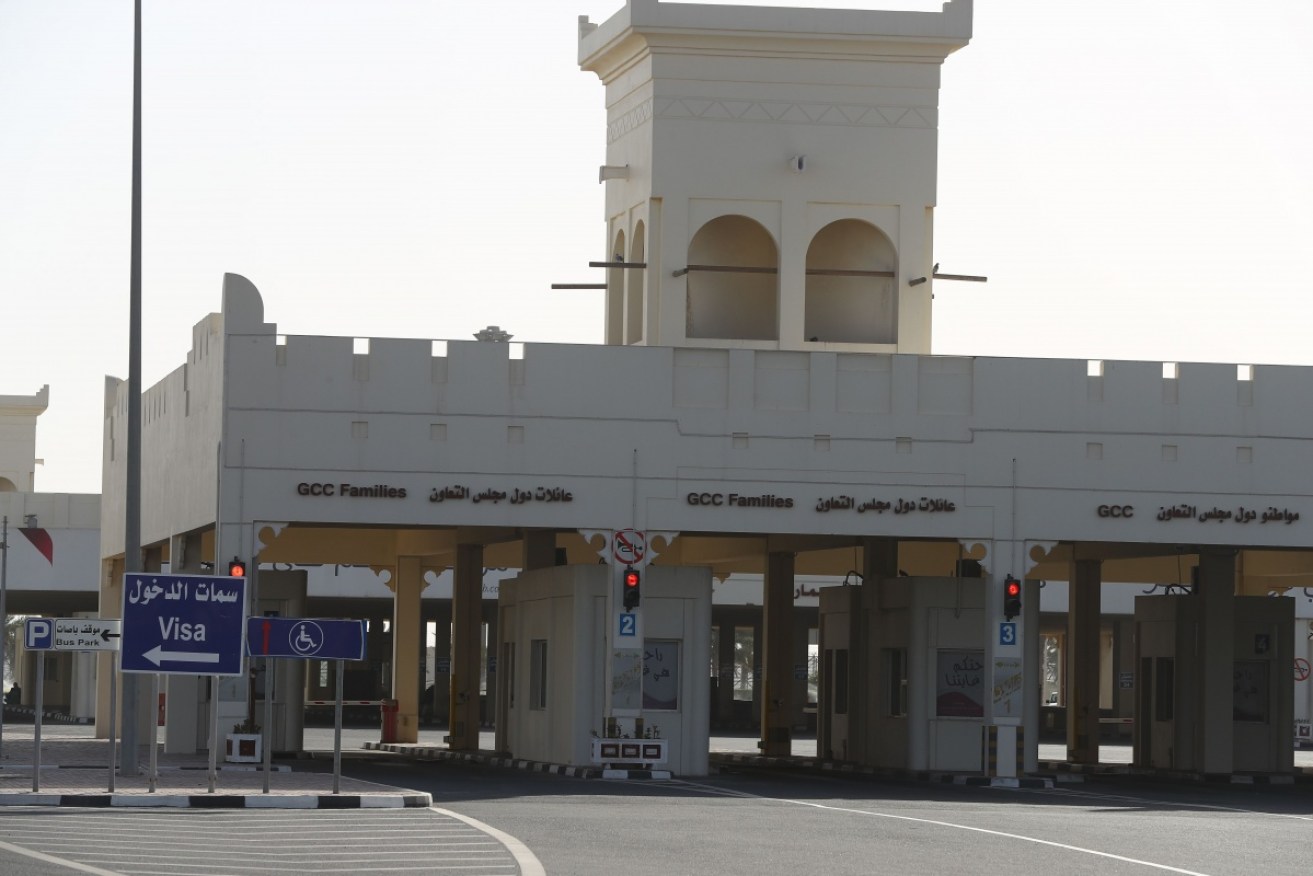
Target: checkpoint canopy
{"x": 182, "y": 624}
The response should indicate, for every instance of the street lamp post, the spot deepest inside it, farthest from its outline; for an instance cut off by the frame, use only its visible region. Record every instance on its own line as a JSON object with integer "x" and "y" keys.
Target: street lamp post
{"x": 132, "y": 486}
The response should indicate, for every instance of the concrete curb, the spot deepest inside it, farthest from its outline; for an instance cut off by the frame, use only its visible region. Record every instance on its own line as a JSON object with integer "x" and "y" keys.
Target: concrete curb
{"x": 1126, "y": 772}
{"x": 834, "y": 767}
{"x": 230, "y": 768}
{"x": 427, "y": 752}
{"x": 223, "y": 801}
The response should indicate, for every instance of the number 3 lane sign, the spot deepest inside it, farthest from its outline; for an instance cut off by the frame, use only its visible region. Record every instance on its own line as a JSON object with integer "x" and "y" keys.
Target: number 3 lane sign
{"x": 1007, "y": 634}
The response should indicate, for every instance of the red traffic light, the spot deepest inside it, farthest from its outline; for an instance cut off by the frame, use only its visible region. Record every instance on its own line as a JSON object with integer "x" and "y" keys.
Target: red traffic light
{"x": 236, "y": 569}
{"x": 1011, "y": 597}
{"x": 631, "y": 581}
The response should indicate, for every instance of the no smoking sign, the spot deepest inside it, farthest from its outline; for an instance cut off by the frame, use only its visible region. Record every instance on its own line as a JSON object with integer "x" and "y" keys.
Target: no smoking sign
{"x": 629, "y": 546}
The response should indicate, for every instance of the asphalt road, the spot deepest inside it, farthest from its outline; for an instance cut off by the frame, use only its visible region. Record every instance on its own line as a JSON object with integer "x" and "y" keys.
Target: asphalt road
{"x": 761, "y": 823}
{"x": 749, "y": 822}
{"x": 160, "y": 841}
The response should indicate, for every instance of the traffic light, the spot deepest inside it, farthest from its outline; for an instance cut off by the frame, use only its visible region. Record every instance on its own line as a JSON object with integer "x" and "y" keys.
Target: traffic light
{"x": 236, "y": 568}
{"x": 631, "y": 581}
{"x": 1011, "y": 597}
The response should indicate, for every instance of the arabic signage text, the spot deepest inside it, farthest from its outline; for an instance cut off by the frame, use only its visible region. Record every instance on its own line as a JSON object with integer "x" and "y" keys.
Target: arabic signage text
{"x": 1217, "y": 514}
{"x": 182, "y": 624}
{"x": 879, "y": 506}
{"x": 516, "y": 496}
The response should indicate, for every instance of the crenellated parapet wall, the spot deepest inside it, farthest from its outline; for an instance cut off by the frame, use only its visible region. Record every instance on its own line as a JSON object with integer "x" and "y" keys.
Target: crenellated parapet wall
{"x": 987, "y": 435}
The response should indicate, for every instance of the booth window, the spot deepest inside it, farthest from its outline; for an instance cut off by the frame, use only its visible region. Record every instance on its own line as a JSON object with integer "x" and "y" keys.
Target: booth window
{"x": 1164, "y": 688}
{"x": 895, "y": 662}
{"x": 745, "y": 662}
{"x": 508, "y": 667}
{"x": 661, "y": 676}
{"x": 538, "y": 674}
{"x": 838, "y": 660}
{"x": 1249, "y": 691}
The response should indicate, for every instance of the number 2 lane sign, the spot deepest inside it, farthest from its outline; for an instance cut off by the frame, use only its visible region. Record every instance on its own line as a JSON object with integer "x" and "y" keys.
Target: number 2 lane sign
{"x": 183, "y": 624}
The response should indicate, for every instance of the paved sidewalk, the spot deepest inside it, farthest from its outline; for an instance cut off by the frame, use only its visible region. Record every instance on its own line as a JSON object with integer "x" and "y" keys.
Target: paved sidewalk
{"x": 75, "y": 772}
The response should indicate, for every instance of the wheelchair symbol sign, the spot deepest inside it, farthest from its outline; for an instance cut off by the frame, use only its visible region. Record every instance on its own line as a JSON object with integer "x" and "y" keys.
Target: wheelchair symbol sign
{"x": 307, "y": 639}
{"x": 1007, "y": 634}
{"x": 628, "y": 624}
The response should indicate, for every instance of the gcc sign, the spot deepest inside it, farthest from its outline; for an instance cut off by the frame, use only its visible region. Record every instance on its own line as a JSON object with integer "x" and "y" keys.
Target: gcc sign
{"x": 1124, "y": 511}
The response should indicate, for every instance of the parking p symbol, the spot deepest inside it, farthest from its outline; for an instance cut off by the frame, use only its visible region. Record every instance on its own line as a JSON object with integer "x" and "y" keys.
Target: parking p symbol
{"x": 39, "y": 634}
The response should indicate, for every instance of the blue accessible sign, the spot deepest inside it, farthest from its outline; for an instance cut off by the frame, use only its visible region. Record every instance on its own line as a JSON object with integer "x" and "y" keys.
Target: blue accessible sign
{"x": 182, "y": 624}
{"x": 305, "y": 637}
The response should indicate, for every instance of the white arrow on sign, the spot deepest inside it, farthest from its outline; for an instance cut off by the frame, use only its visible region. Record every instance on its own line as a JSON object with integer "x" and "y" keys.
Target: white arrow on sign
{"x": 158, "y": 655}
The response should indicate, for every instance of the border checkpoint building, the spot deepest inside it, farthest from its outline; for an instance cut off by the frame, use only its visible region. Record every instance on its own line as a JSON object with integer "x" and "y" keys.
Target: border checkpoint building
{"x": 765, "y": 404}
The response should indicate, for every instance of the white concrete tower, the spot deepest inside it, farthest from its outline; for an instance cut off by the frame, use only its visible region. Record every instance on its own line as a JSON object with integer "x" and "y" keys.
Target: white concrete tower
{"x": 776, "y": 171}
{"x": 18, "y": 462}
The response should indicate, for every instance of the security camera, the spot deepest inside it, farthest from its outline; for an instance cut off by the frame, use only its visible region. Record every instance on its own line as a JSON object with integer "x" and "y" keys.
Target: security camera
{"x": 798, "y": 163}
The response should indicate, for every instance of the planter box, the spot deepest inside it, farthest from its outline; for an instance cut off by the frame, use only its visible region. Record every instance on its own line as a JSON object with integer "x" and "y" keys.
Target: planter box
{"x": 243, "y": 748}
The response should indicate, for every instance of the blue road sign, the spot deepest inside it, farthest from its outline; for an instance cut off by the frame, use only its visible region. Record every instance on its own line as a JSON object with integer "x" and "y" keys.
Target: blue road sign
{"x": 1007, "y": 633}
{"x": 306, "y": 638}
{"x": 182, "y": 624}
{"x": 39, "y": 634}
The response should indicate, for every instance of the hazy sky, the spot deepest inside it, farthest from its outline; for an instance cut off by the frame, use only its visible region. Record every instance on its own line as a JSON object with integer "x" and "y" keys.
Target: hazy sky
{"x": 1134, "y": 176}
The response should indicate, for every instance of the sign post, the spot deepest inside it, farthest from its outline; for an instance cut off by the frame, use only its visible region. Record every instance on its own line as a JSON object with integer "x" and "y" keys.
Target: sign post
{"x": 38, "y": 635}
{"x": 307, "y": 638}
{"x": 68, "y": 634}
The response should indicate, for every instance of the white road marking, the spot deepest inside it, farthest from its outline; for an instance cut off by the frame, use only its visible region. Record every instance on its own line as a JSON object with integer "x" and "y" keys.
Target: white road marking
{"x": 528, "y": 861}
{"x": 51, "y": 859}
{"x": 1029, "y": 839}
{"x": 985, "y": 830}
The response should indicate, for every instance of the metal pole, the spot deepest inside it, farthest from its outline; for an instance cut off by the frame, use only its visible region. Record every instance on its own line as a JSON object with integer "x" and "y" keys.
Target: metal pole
{"x": 113, "y": 708}
{"x": 267, "y": 730}
{"x": 214, "y": 732}
{"x": 36, "y": 730}
{"x": 337, "y": 732}
{"x": 132, "y": 484}
{"x": 154, "y": 732}
{"x": 4, "y": 618}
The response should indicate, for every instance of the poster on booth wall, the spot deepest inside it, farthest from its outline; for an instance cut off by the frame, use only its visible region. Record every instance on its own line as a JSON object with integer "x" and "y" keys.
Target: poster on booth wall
{"x": 626, "y": 679}
{"x": 960, "y": 684}
{"x": 1007, "y": 688}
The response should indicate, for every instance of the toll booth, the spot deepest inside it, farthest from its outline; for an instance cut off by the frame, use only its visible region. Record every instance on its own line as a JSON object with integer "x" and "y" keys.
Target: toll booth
{"x": 1175, "y": 651}
{"x": 903, "y": 678}
{"x": 283, "y": 594}
{"x": 552, "y": 646}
